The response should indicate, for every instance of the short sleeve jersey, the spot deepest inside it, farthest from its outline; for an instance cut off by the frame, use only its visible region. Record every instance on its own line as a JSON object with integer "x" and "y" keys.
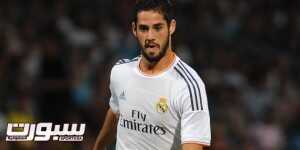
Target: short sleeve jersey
{"x": 159, "y": 112}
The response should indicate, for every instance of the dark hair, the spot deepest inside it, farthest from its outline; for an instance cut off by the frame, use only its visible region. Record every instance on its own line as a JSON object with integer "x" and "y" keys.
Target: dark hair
{"x": 165, "y": 7}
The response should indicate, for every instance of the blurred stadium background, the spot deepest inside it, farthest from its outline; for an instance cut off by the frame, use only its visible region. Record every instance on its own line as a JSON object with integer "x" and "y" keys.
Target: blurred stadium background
{"x": 55, "y": 58}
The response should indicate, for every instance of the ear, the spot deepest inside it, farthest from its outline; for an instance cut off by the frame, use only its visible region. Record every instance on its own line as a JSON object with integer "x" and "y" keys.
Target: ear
{"x": 172, "y": 26}
{"x": 133, "y": 26}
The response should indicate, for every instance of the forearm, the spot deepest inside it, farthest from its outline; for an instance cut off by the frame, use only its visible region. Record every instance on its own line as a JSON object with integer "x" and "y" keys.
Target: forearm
{"x": 108, "y": 132}
{"x": 191, "y": 146}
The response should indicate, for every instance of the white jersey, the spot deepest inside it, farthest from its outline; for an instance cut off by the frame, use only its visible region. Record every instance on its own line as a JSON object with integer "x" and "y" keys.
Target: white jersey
{"x": 159, "y": 112}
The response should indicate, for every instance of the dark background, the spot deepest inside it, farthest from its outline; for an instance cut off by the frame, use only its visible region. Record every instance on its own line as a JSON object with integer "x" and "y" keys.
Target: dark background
{"x": 56, "y": 56}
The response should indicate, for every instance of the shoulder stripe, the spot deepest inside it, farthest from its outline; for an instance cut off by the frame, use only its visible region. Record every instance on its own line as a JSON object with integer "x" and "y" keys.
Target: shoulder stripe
{"x": 124, "y": 61}
{"x": 197, "y": 84}
{"x": 135, "y": 59}
{"x": 189, "y": 87}
{"x": 120, "y": 61}
{"x": 191, "y": 83}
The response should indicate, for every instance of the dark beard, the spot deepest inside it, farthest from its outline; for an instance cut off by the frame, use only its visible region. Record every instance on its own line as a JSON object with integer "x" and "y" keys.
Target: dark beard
{"x": 160, "y": 55}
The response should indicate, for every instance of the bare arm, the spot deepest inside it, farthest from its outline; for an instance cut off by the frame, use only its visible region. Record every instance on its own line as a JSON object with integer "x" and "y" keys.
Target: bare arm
{"x": 108, "y": 132}
{"x": 192, "y": 146}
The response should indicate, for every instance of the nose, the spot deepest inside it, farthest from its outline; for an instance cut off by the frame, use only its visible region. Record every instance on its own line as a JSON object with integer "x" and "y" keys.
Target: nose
{"x": 150, "y": 35}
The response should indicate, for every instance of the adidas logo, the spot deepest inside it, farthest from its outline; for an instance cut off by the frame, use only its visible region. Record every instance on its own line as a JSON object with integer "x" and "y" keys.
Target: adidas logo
{"x": 122, "y": 96}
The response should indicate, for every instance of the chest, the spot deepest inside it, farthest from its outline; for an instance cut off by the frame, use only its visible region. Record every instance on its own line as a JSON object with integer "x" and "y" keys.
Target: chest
{"x": 147, "y": 101}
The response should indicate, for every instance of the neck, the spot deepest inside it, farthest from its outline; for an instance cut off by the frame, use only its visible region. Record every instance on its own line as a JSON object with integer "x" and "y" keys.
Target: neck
{"x": 155, "y": 68}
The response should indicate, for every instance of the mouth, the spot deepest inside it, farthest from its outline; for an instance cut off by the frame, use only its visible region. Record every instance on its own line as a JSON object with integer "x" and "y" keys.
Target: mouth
{"x": 152, "y": 46}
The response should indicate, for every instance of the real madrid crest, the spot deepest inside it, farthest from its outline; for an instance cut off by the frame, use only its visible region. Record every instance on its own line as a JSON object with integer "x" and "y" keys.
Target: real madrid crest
{"x": 162, "y": 105}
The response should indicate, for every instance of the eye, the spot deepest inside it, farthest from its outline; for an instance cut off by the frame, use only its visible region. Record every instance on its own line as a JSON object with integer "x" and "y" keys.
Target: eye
{"x": 143, "y": 28}
{"x": 158, "y": 28}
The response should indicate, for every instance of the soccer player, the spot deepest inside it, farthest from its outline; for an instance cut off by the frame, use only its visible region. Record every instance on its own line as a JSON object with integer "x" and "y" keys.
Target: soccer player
{"x": 157, "y": 102}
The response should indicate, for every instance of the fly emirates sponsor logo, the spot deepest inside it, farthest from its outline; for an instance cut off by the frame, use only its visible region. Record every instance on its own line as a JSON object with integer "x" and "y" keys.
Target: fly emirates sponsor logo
{"x": 137, "y": 122}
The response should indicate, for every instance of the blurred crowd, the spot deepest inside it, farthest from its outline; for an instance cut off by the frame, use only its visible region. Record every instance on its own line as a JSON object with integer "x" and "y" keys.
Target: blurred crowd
{"x": 56, "y": 56}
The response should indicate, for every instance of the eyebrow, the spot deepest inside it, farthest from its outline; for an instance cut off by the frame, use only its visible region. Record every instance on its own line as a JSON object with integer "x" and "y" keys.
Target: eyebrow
{"x": 143, "y": 25}
{"x": 155, "y": 25}
{"x": 158, "y": 24}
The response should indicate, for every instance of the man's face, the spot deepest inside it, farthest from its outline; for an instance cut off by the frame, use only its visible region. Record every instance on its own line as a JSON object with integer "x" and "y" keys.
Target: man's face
{"x": 152, "y": 32}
